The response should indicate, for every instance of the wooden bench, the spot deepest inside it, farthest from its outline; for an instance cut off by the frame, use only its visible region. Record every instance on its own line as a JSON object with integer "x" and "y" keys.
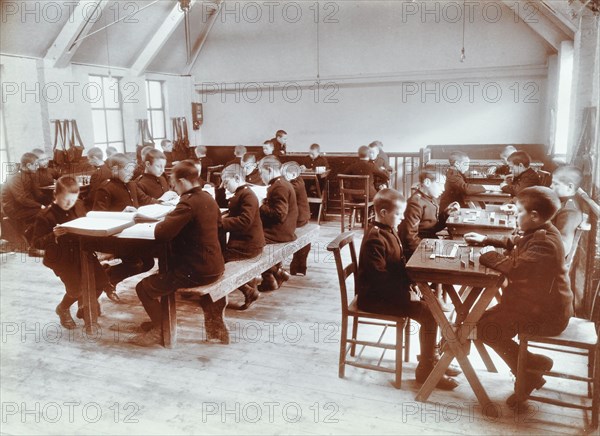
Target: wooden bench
{"x": 236, "y": 274}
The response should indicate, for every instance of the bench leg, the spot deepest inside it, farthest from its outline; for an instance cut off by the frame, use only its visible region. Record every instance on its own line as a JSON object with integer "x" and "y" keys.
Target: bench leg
{"x": 214, "y": 322}
{"x": 169, "y": 320}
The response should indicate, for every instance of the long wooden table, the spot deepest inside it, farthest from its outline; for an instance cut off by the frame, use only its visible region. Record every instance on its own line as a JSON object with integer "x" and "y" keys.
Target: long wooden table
{"x": 479, "y": 286}
{"x": 488, "y": 221}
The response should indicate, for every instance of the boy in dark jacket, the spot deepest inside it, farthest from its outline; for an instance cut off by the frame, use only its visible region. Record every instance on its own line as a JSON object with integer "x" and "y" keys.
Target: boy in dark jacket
{"x": 523, "y": 176}
{"x": 61, "y": 250}
{"x": 246, "y": 237}
{"x": 364, "y": 168}
{"x": 101, "y": 173}
{"x": 383, "y": 283}
{"x": 456, "y": 187}
{"x": 153, "y": 182}
{"x": 195, "y": 256}
{"x": 565, "y": 182}
{"x": 279, "y": 215}
{"x": 537, "y": 298}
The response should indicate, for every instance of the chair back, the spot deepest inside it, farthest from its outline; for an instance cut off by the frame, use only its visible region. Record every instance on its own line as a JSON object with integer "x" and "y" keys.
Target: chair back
{"x": 314, "y": 179}
{"x": 545, "y": 178}
{"x": 583, "y": 227}
{"x": 352, "y": 187}
{"x": 344, "y": 272}
{"x": 214, "y": 171}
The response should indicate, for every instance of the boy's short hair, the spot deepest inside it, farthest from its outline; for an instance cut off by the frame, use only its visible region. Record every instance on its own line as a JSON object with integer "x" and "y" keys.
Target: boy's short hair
{"x": 280, "y": 133}
{"x": 270, "y": 162}
{"x": 201, "y": 150}
{"x": 95, "y": 152}
{"x": 249, "y": 157}
{"x": 38, "y": 152}
{"x": 291, "y": 168}
{"x": 144, "y": 151}
{"x": 508, "y": 150}
{"x": 119, "y": 160}
{"x": 232, "y": 170}
{"x": 66, "y": 184}
{"x": 363, "y": 151}
{"x": 541, "y": 199}
{"x": 186, "y": 169}
{"x": 457, "y": 156}
{"x": 268, "y": 142}
{"x": 377, "y": 144}
{"x": 428, "y": 174}
{"x": 569, "y": 174}
{"x": 520, "y": 157}
{"x": 386, "y": 199}
{"x": 315, "y": 147}
{"x": 111, "y": 148}
{"x": 28, "y": 158}
{"x": 154, "y": 154}
{"x": 164, "y": 142}
{"x": 239, "y": 150}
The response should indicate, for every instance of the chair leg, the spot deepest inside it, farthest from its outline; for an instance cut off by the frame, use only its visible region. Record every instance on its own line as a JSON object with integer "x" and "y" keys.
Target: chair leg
{"x": 320, "y": 212}
{"x": 399, "y": 336}
{"x": 343, "y": 343}
{"x": 591, "y": 366}
{"x": 596, "y": 397}
{"x": 354, "y": 335}
{"x": 521, "y": 370}
{"x": 407, "y": 334}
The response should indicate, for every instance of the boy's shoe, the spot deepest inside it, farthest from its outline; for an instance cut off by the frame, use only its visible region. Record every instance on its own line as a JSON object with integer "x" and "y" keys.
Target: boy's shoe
{"x": 111, "y": 293}
{"x": 281, "y": 276}
{"x": 269, "y": 283}
{"x": 424, "y": 369}
{"x": 66, "y": 320}
{"x": 251, "y": 294}
{"x": 80, "y": 311}
{"x": 451, "y": 371}
{"x": 147, "y": 339}
{"x": 536, "y": 362}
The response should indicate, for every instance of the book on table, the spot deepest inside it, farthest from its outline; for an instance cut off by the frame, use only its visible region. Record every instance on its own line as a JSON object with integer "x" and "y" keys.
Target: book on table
{"x": 101, "y": 223}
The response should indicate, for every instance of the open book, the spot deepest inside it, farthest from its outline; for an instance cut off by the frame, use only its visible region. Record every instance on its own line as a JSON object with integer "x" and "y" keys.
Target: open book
{"x": 101, "y": 223}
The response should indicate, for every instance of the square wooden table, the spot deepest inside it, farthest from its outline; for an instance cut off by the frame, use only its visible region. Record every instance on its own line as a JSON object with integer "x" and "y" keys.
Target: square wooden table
{"x": 479, "y": 286}
{"x": 488, "y": 221}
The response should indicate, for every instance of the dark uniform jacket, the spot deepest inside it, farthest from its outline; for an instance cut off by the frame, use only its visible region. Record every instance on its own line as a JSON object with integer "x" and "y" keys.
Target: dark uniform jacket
{"x": 278, "y": 149}
{"x": 301, "y": 200}
{"x": 254, "y": 178}
{"x": 114, "y": 195}
{"x": 566, "y": 220}
{"x": 101, "y": 174}
{"x": 237, "y": 160}
{"x": 279, "y": 211}
{"x": 366, "y": 168}
{"x": 152, "y": 186}
{"x": 46, "y": 176}
{"x": 422, "y": 219}
{"x": 22, "y": 197}
{"x": 205, "y": 162}
{"x": 243, "y": 223}
{"x": 524, "y": 180}
{"x": 538, "y": 284}
{"x": 457, "y": 188}
{"x": 193, "y": 229}
{"x": 383, "y": 284}
{"x": 502, "y": 170}
{"x": 320, "y": 161}
{"x": 62, "y": 254}
{"x": 169, "y": 156}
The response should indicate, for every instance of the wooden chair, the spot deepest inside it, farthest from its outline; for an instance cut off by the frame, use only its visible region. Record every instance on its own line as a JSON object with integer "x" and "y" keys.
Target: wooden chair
{"x": 579, "y": 338}
{"x": 348, "y": 193}
{"x": 581, "y": 229}
{"x": 318, "y": 196}
{"x": 214, "y": 171}
{"x": 350, "y": 310}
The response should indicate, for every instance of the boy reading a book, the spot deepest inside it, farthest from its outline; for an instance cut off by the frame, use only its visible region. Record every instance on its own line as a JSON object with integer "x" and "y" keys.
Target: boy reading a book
{"x": 61, "y": 250}
{"x": 537, "y": 298}
{"x": 456, "y": 187}
{"x": 195, "y": 256}
{"x": 152, "y": 182}
{"x": 246, "y": 236}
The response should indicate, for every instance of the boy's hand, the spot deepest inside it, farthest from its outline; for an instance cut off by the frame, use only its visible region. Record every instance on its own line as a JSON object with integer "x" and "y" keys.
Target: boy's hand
{"x": 130, "y": 209}
{"x": 168, "y": 197}
{"x": 503, "y": 184}
{"x": 491, "y": 171}
{"x": 473, "y": 238}
{"x": 453, "y": 208}
{"x": 59, "y": 231}
{"x": 486, "y": 249}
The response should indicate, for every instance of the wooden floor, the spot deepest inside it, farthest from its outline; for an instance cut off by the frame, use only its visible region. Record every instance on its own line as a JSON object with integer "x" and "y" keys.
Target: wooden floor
{"x": 278, "y": 376}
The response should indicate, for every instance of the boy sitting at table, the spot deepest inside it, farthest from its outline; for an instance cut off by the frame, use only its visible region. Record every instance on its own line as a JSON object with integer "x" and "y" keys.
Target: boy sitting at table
{"x": 140, "y": 167}
{"x": 504, "y": 168}
{"x": 456, "y": 187}
{"x": 167, "y": 148}
{"x": 314, "y": 159}
{"x": 565, "y": 183}
{"x": 536, "y": 297}
{"x": 291, "y": 172}
{"x": 364, "y": 168}
{"x": 45, "y": 175}
{"x": 279, "y": 215}
{"x": 61, "y": 250}
{"x": 238, "y": 151}
{"x": 383, "y": 283}
{"x": 120, "y": 194}
{"x": 243, "y": 223}
{"x": 153, "y": 182}
{"x": 250, "y": 168}
{"x": 205, "y": 161}
{"x": 523, "y": 176}
{"x": 195, "y": 256}
{"x": 101, "y": 173}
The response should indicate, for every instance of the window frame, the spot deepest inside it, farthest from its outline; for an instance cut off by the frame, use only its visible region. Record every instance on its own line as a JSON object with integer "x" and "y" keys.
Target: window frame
{"x": 160, "y": 109}
{"x": 105, "y": 111}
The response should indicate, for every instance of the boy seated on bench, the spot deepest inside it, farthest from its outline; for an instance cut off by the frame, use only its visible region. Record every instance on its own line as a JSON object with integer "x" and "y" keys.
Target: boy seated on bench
{"x": 291, "y": 172}
{"x": 537, "y": 298}
{"x": 383, "y": 283}
{"x": 565, "y": 183}
{"x": 279, "y": 215}
{"x": 61, "y": 250}
{"x": 523, "y": 176}
{"x": 153, "y": 182}
{"x": 238, "y": 151}
{"x": 314, "y": 159}
{"x": 195, "y": 257}
{"x": 456, "y": 187}
{"x": 250, "y": 168}
{"x": 246, "y": 237}
{"x": 102, "y": 172}
{"x": 45, "y": 176}
{"x": 504, "y": 169}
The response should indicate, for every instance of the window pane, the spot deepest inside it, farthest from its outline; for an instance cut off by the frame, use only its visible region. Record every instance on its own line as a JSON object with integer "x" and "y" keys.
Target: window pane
{"x": 99, "y": 126}
{"x": 155, "y": 91}
{"x": 111, "y": 92}
{"x": 119, "y": 146}
{"x": 93, "y": 92}
{"x": 115, "y": 125}
{"x": 147, "y": 93}
{"x": 158, "y": 124}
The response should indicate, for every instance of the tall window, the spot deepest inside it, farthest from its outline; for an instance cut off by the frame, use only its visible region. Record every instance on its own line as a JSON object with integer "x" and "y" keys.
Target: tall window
{"x": 107, "y": 115}
{"x": 156, "y": 108}
{"x": 4, "y": 157}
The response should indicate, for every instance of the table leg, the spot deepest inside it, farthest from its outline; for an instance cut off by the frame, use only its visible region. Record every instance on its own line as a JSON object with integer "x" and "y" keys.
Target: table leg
{"x": 88, "y": 288}
{"x": 169, "y": 320}
{"x": 214, "y": 322}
